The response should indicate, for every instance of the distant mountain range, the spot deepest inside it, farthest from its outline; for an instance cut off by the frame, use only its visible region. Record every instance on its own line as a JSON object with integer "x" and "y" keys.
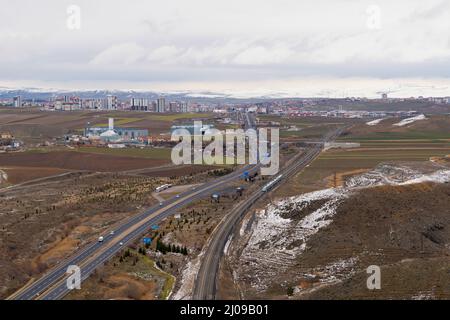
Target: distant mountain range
{"x": 47, "y": 94}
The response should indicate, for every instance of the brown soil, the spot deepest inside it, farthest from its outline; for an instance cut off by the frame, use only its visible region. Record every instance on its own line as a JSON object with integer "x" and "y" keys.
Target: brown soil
{"x": 402, "y": 229}
{"x": 433, "y": 125}
{"x": 21, "y": 174}
{"x": 339, "y": 179}
{"x": 179, "y": 171}
{"x": 77, "y": 161}
{"x": 42, "y": 223}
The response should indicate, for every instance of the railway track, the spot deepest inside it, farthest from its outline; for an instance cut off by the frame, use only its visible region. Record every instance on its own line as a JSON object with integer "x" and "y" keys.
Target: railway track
{"x": 206, "y": 282}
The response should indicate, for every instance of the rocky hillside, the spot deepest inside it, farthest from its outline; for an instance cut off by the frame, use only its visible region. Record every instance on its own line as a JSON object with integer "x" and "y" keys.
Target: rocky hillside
{"x": 319, "y": 245}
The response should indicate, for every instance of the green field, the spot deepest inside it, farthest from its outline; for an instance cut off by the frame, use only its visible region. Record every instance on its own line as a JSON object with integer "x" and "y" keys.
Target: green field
{"x": 178, "y": 116}
{"x": 158, "y": 117}
{"x": 119, "y": 122}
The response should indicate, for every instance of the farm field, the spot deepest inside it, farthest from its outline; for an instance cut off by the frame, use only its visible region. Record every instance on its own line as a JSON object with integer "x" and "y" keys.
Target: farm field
{"x": 33, "y": 125}
{"x": 377, "y": 145}
{"x": 73, "y": 160}
{"x": 434, "y": 127}
{"x": 151, "y": 153}
{"x": 305, "y": 121}
{"x": 320, "y": 174}
{"x": 18, "y": 175}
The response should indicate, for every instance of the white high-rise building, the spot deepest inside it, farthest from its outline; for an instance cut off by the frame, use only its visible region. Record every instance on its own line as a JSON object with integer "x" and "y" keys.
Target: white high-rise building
{"x": 161, "y": 105}
{"x": 184, "y": 107}
{"x": 139, "y": 104}
{"x": 111, "y": 102}
{"x": 17, "y": 102}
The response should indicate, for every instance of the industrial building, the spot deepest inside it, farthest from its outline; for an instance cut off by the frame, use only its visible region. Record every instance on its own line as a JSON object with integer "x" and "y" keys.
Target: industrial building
{"x": 193, "y": 128}
{"x": 114, "y": 134}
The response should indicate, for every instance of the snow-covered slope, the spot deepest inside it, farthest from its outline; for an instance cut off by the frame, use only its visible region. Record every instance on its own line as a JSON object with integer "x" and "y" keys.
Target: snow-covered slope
{"x": 281, "y": 231}
{"x": 407, "y": 121}
{"x": 374, "y": 122}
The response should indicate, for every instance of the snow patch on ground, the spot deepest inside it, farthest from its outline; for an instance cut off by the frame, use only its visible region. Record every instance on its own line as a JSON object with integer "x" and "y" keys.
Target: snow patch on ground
{"x": 385, "y": 174}
{"x": 374, "y": 122}
{"x": 441, "y": 176}
{"x": 244, "y": 225}
{"x": 327, "y": 275}
{"x": 407, "y": 121}
{"x": 170, "y": 238}
{"x": 187, "y": 280}
{"x": 388, "y": 174}
{"x": 227, "y": 245}
{"x": 280, "y": 232}
{"x": 3, "y": 176}
{"x": 424, "y": 296}
{"x": 275, "y": 241}
{"x": 337, "y": 271}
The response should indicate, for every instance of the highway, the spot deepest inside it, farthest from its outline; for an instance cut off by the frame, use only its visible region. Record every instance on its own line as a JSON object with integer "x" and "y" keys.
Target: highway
{"x": 53, "y": 284}
{"x": 205, "y": 284}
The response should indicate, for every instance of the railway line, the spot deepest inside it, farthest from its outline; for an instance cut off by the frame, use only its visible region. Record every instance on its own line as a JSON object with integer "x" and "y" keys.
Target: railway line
{"x": 206, "y": 281}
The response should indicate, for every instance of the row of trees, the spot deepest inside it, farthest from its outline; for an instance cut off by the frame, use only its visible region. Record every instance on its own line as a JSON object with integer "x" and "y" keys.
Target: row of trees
{"x": 164, "y": 248}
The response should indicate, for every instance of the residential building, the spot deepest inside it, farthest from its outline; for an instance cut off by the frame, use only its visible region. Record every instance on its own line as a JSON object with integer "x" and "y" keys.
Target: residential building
{"x": 111, "y": 102}
{"x": 161, "y": 105}
{"x": 139, "y": 104}
{"x": 17, "y": 102}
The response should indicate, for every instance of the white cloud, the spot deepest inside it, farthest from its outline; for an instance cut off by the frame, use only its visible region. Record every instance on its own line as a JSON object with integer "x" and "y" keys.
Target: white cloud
{"x": 164, "y": 54}
{"x": 259, "y": 55}
{"x": 122, "y": 54}
{"x": 202, "y": 40}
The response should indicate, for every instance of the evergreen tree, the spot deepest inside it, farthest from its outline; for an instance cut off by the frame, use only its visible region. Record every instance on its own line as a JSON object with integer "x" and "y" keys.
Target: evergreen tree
{"x": 290, "y": 291}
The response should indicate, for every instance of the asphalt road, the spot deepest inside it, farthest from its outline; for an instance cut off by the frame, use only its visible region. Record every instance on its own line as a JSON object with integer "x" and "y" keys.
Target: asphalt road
{"x": 205, "y": 284}
{"x": 53, "y": 284}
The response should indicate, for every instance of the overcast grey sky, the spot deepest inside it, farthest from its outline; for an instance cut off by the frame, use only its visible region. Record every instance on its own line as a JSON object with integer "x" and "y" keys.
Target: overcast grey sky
{"x": 245, "y": 47}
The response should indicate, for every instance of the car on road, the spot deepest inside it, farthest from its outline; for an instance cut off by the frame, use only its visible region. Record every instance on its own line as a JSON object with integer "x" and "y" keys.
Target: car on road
{"x": 111, "y": 233}
{"x": 160, "y": 204}
{"x": 100, "y": 239}
{"x": 120, "y": 243}
{"x": 177, "y": 196}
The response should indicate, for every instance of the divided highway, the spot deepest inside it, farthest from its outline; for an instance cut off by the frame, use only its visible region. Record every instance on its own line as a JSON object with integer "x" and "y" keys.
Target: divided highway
{"x": 205, "y": 284}
{"x": 53, "y": 284}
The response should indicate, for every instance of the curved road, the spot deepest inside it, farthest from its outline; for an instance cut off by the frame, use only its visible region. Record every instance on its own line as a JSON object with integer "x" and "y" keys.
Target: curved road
{"x": 53, "y": 284}
{"x": 205, "y": 284}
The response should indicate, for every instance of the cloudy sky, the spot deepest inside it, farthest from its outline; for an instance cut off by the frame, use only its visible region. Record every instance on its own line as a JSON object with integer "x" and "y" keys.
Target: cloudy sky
{"x": 245, "y": 47}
